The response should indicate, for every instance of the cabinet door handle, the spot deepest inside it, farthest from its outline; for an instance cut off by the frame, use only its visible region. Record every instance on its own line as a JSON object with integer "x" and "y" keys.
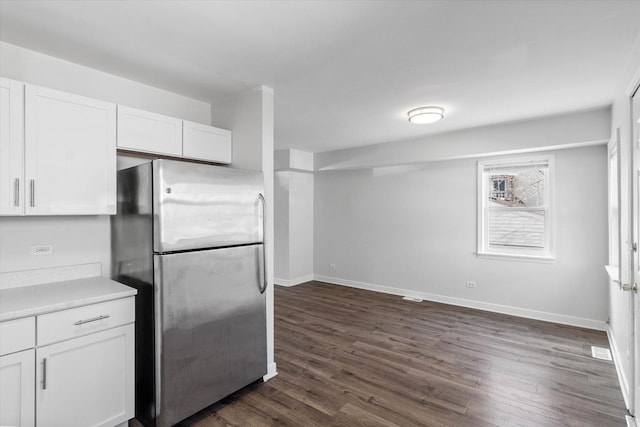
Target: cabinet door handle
{"x": 44, "y": 374}
{"x": 16, "y": 192}
{"x": 32, "y": 192}
{"x": 93, "y": 319}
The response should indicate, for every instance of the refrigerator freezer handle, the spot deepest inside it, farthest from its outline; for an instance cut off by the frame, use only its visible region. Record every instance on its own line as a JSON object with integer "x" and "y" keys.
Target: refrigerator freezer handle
{"x": 264, "y": 243}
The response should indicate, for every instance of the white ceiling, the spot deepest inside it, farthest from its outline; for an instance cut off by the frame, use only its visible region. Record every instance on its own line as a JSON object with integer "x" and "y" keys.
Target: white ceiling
{"x": 346, "y": 72}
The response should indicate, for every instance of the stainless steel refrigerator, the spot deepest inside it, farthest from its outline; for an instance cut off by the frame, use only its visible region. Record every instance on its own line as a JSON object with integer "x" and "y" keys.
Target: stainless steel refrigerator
{"x": 190, "y": 238}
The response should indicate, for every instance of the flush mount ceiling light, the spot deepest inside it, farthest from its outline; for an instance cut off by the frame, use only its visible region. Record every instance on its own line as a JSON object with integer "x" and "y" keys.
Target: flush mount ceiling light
{"x": 422, "y": 115}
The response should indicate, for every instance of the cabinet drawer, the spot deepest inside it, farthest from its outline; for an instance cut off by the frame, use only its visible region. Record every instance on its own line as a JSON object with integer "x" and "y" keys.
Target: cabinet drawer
{"x": 84, "y": 320}
{"x": 16, "y": 335}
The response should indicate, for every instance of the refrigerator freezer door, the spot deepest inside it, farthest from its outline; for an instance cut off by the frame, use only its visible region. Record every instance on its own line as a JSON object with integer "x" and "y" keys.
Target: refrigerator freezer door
{"x": 210, "y": 327}
{"x": 200, "y": 206}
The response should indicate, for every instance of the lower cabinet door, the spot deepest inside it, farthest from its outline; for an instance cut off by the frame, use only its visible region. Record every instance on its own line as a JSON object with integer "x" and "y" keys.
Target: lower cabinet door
{"x": 86, "y": 381}
{"x": 17, "y": 402}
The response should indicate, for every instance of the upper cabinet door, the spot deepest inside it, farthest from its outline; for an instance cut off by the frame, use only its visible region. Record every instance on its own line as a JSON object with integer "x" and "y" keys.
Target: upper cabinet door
{"x": 140, "y": 130}
{"x": 70, "y": 152}
{"x": 11, "y": 147}
{"x": 206, "y": 143}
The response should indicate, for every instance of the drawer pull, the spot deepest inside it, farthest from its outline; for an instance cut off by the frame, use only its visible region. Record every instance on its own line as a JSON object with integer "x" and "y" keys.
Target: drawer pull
{"x": 93, "y": 319}
{"x": 32, "y": 193}
{"x": 44, "y": 374}
{"x": 16, "y": 192}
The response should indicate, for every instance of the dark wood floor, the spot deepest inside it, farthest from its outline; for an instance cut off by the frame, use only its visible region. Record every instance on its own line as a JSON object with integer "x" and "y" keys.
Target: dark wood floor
{"x": 348, "y": 357}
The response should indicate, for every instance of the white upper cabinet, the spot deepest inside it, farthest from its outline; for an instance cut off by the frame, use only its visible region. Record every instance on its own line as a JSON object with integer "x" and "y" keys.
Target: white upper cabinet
{"x": 70, "y": 154}
{"x": 11, "y": 147}
{"x": 58, "y": 150}
{"x": 203, "y": 142}
{"x": 147, "y": 132}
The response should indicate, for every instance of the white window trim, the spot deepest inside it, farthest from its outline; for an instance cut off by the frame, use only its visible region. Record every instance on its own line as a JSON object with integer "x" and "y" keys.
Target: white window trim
{"x": 613, "y": 149}
{"x": 482, "y": 246}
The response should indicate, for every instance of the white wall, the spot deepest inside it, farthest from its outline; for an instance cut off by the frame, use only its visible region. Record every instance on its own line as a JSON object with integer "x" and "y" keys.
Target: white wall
{"x": 78, "y": 239}
{"x": 301, "y": 225}
{"x": 401, "y": 218}
{"x": 75, "y": 240}
{"x": 243, "y": 115}
{"x": 44, "y": 70}
{"x": 281, "y": 226}
{"x": 294, "y": 217}
{"x": 294, "y": 227}
{"x": 411, "y": 230}
{"x": 266, "y": 145}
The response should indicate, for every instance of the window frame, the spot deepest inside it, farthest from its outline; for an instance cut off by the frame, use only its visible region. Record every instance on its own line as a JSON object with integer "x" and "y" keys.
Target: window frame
{"x": 484, "y": 250}
{"x": 614, "y": 192}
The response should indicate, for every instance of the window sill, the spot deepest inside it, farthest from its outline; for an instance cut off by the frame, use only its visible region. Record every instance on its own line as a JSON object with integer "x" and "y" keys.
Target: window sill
{"x": 515, "y": 257}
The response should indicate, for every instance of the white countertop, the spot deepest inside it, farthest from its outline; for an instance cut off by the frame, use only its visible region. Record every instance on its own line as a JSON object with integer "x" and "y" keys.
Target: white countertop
{"x": 33, "y": 300}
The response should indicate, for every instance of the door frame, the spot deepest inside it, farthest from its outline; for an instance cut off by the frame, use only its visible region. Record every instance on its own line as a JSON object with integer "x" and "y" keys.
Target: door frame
{"x": 625, "y": 318}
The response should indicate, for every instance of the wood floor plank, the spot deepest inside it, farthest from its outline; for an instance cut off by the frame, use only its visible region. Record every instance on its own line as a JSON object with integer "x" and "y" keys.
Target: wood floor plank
{"x": 362, "y": 417}
{"x": 349, "y": 357}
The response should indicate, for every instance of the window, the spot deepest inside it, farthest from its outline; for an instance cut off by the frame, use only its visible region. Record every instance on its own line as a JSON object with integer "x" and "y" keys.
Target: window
{"x": 514, "y": 208}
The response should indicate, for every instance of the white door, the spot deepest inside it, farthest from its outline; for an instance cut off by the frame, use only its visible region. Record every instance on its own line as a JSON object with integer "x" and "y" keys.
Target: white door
{"x": 635, "y": 109}
{"x": 70, "y": 152}
{"x": 11, "y": 147}
{"x": 86, "y": 381}
{"x": 17, "y": 404}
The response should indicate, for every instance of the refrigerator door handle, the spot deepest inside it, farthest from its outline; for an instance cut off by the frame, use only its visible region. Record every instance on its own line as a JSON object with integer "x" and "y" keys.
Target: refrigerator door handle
{"x": 264, "y": 242}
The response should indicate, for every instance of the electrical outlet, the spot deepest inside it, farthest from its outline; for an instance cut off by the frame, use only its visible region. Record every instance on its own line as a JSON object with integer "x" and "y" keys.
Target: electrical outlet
{"x": 42, "y": 250}
{"x": 471, "y": 284}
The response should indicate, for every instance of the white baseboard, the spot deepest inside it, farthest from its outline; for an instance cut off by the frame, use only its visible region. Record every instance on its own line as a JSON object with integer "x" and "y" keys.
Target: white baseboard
{"x": 496, "y": 308}
{"x": 271, "y": 372}
{"x": 617, "y": 361}
{"x": 293, "y": 282}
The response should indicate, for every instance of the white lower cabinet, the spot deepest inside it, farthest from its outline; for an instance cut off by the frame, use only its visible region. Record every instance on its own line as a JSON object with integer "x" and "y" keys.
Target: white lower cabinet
{"x": 87, "y": 381}
{"x": 17, "y": 404}
{"x": 78, "y": 370}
